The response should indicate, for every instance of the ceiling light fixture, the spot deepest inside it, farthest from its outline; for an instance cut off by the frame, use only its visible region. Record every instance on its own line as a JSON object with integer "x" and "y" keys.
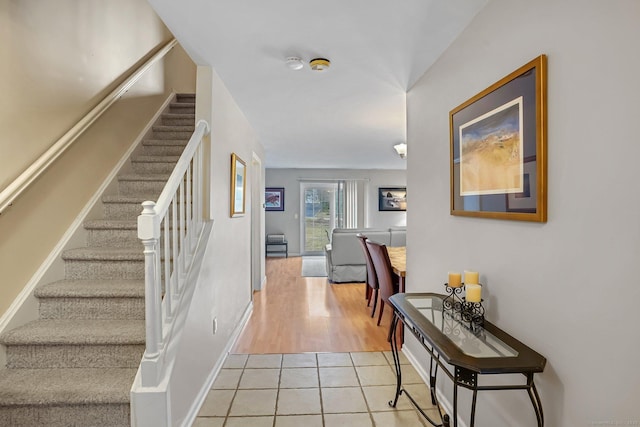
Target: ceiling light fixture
{"x": 294, "y": 63}
{"x": 319, "y": 64}
{"x": 401, "y": 149}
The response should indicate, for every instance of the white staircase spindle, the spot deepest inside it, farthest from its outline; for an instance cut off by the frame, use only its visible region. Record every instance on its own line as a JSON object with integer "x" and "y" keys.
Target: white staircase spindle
{"x": 168, "y": 291}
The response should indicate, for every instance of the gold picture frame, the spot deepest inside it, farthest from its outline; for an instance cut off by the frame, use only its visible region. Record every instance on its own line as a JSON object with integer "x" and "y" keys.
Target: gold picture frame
{"x": 238, "y": 185}
{"x": 498, "y": 148}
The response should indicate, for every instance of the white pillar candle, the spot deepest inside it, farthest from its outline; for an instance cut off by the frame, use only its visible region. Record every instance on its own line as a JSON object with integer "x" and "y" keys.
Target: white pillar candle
{"x": 473, "y": 293}
{"x": 471, "y": 277}
{"x": 455, "y": 279}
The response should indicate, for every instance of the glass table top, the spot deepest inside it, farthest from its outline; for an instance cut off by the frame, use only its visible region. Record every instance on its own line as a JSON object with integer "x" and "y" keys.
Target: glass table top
{"x": 473, "y": 341}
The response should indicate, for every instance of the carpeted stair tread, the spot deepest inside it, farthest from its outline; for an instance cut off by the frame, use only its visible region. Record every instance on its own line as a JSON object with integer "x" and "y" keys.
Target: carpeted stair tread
{"x": 156, "y": 159}
{"x": 95, "y": 288}
{"x": 165, "y": 142}
{"x": 20, "y": 387}
{"x": 104, "y": 254}
{"x": 179, "y": 115}
{"x": 168, "y": 128}
{"x": 111, "y": 224}
{"x": 144, "y": 177}
{"x": 76, "y": 332}
{"x": 123, "y": 198}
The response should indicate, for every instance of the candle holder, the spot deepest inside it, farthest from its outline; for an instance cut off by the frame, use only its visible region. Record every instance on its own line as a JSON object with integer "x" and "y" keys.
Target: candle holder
{"x": 453, "y": 301}
{"x": 460, "y": 309}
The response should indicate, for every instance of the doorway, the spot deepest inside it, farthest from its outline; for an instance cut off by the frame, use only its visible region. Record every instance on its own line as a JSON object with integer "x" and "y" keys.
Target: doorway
{"x": 322, "y": 211}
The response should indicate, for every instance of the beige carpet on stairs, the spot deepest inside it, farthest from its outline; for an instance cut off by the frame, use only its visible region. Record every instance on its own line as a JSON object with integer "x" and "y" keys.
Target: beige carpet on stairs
{"x": 74, "y": 366}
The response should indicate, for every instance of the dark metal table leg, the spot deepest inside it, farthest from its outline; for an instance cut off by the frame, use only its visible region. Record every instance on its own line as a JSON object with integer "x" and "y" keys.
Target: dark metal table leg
{"x": 535, "y": 399}
{"x": 473, "y": 407}
{"x": 396, "y": 359}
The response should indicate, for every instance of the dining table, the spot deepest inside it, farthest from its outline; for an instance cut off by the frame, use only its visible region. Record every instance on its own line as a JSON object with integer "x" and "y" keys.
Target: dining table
{"x": 398, "y": 258}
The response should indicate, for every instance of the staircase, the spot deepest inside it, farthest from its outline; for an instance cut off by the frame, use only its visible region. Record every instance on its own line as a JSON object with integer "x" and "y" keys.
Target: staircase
{"x": 75, "y": 365}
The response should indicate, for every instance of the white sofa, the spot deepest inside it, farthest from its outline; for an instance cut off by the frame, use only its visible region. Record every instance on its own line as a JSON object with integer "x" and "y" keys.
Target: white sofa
{"x": 345, "y": 259}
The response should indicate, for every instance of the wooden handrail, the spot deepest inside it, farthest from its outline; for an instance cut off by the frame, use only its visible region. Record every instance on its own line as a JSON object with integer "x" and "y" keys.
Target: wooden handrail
{"x": 22, "y": 182}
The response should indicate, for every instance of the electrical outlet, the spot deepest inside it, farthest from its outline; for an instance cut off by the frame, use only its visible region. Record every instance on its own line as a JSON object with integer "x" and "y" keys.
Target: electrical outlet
{"x": 215, "y": 325}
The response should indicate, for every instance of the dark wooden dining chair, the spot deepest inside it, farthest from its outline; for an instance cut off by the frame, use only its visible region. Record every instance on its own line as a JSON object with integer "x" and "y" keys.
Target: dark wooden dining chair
{"x": 372, "y": 280}
{"x": 387, "y": 281}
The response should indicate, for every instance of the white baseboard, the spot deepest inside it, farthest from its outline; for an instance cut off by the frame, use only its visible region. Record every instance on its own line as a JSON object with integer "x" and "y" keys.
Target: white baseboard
{"x": 204, "y": 391}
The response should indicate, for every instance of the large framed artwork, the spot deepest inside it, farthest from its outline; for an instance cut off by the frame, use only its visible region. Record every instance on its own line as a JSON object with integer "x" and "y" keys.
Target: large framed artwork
{"x": 392, "y": 198}
{"x": 498, "y": 148}
{"x": 238, "y": 185}
{"x": 274, "y": 198}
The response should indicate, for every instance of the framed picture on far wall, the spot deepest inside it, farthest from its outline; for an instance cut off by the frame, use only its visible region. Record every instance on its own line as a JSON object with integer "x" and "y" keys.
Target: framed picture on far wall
{"x": 392, "y": 198}
{"x": 274, "y": 198}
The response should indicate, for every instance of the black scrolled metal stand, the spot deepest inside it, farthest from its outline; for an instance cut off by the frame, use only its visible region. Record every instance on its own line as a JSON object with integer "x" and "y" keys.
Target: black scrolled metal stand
{"x": 433, "y": 372}
{"x": 460, "y": 309}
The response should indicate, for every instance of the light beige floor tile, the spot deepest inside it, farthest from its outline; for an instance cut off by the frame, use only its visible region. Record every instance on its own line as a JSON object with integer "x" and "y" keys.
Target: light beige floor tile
{"x": 259, "y": 378}
{"x": 235, "y": 361}
{"x": 403, "y": 358}
{"x": 264, "y": 361}
{"x": 216, "y": 404}
{"x": 376, "y": 375}
{"x": 397, "y": 419}
{"x": 410, "y": 375}
{"x": 338, "y": 377}
{"x": 249, "y": 422}
{"x": 334, "y": 359}
{"x": 208, "y": 422}
{"x": 227, "y": 379}
{"x": 367, "y": 358}
{"x": 348, "y": 420}
{"x": 421, "y": 394}
{"x": 300, "y": 420}
{"x": 299, "y": 401}
{"x": 378, "y": 398}
{"x": 299, "y": 378}
{"x": 299, "y": 360}
{"x": 254, "y": 402}
{"x": 343, "y": 399}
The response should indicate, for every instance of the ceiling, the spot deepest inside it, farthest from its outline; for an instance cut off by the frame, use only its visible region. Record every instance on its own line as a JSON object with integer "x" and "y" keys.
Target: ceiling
{"x": 348, "y": 116}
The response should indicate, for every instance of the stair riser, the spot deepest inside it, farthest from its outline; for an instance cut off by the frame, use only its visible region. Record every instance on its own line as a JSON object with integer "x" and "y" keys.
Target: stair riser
{"x": 172, "y": 134}
{"x": 177, "y": 121}
{"x": 153, "y": 167}
{"x": 92, "y": 308}
{"x": 177, "y": 108}
{"x": 122, "y": 210}
{"x": 130, "y": 188}
{"x": 114, "y": 238}
{"x": 80, "y": 269}
{"x": 113, "y": 415}
{"x": 73, "y": 356}
{"x": 163, "y": 150}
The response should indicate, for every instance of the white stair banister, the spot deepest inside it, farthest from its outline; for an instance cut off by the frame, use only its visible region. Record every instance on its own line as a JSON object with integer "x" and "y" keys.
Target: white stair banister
{"x": 168, "y": 229}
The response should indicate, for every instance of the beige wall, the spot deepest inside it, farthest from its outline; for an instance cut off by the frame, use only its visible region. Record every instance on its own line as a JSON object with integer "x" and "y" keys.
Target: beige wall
{"x": 59, "y": 59}
{"x": 568, "y": 287}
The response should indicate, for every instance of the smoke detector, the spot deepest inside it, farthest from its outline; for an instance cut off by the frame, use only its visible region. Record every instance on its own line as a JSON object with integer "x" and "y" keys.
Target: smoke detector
{"x": 294, "y": 63}
{"x": 319, "y": 64}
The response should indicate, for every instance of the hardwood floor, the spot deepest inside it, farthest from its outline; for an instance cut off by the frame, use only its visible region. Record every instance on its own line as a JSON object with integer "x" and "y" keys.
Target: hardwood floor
{"x": 295, "y": 314}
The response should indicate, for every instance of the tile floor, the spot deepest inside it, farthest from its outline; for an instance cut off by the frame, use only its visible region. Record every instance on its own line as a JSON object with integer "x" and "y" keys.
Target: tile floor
{"x": 313, "y": 390}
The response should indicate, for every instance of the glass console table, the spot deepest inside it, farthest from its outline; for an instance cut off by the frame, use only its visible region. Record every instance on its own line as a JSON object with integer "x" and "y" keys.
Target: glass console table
{"x": 462, "y": 351}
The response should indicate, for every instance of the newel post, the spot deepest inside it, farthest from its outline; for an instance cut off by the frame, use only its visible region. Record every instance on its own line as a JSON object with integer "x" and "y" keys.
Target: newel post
{"x": 149, "y": 234}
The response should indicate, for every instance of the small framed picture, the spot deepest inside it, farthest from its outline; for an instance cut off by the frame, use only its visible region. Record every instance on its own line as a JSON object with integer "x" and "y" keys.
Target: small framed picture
{"x": 238, "y": 185}
{"x": 392, "y": 198}
{"x": 274, "y": 198}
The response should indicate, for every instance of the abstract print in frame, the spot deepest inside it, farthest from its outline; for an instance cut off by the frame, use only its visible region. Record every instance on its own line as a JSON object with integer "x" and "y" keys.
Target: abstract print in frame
{"x": 498, "y": 148}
